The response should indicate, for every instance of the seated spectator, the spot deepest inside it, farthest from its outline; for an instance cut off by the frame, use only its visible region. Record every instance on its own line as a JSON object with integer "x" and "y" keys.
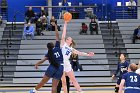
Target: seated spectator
{"x": 136, "y": 34}
{"x": 28, "y": 31}
{"x": 52, "y": 28}
{"x": 74, "y": 62}
{"x": 43, "y": 12}
{"x": 93, "y": 26}
{"x": 29, "y": 15}
{"x": 44, "y": 22}
{"x": 39, "y": 27}
{"x": 83, "y": 29}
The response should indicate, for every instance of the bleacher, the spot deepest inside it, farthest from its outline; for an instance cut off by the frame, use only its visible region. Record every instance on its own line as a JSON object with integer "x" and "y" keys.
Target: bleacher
{"x": 97, "y": 70}
{"x": 126, "y": 28}
{"x": 94, "y": 68}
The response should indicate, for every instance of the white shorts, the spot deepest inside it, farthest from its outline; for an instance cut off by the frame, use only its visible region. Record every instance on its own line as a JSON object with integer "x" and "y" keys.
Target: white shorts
{"x": 67, "y": 68}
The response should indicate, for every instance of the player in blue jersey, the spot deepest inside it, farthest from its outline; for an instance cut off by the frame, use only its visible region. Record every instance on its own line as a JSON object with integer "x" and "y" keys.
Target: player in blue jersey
{"x": 130, "y": 80}
{"x": 122, "y": 69}
{"x": 55, "y": 69}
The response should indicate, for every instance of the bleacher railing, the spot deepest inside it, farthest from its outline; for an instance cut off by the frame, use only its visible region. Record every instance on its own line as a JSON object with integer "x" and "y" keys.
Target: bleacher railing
{"x": 102, "y": 13}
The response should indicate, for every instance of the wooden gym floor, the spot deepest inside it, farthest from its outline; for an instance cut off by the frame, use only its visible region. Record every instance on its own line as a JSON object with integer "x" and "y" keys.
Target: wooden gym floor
{"x": 44, "y": 90}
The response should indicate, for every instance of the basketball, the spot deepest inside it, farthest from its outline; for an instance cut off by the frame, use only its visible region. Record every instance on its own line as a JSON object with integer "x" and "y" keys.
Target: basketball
{"x": 67, "y": 16}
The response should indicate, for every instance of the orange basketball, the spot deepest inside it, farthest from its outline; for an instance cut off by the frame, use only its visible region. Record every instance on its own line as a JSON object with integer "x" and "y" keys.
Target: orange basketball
{"x": 67, "y": 16}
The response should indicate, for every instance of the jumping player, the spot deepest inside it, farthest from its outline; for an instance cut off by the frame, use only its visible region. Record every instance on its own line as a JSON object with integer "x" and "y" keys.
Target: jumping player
{"x": 55, "y": 69}
{"x": 122, "y": 68}
{"x": 130, "y": 80}
{"x": 67, "y": 48}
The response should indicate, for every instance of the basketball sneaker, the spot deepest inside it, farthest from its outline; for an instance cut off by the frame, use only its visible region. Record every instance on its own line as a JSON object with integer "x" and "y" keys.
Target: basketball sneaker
{"x": 32, "y": 91}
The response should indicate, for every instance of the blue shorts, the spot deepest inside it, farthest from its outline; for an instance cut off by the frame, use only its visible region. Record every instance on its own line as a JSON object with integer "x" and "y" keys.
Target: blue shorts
{"x": 132, "y": 91}
{"x": 54, "y": 72}
{"x": 119, "y": 80}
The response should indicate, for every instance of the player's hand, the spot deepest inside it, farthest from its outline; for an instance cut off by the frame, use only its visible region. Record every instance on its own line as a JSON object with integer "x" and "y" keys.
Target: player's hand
{"x": 53, "y": 23}
{"x": 113, "y": 77}
{"x": 36, "y": 66}
{"x": 91, "y": 54}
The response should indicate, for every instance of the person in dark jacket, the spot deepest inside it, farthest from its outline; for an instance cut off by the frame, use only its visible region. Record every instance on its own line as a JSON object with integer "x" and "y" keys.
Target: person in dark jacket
{"x": 29, "y": 15}
{"x": 93, "y": 26}
{"x": 136, "y": 34}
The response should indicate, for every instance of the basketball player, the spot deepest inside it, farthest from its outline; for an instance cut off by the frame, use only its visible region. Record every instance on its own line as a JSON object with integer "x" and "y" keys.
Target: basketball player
{"x": 55, "y": 69}
{"x": 122, "y": 68}
{"x": 131, "y": 80}
{"x": 67, "y": 48}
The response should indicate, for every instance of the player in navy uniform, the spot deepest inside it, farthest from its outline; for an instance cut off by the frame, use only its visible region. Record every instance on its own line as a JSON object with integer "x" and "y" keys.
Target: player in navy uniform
{"x": 130, "y": 80}
{"x": 55, "y": 69}
{"x": 122, "y": 68}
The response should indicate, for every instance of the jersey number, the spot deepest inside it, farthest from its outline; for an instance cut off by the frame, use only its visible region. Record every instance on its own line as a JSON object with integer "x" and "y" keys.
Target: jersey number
{"x": 67, "y": 53}
{"x": 57, "y": 54}
{"x": 133, "y": 79}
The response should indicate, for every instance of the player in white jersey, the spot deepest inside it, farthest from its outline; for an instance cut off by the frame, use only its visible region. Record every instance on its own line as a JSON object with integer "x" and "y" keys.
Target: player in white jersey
{"x": 67, "y": 48}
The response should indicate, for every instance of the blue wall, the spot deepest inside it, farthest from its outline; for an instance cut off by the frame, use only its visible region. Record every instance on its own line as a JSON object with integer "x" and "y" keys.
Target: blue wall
{"x": 19, "y": 6}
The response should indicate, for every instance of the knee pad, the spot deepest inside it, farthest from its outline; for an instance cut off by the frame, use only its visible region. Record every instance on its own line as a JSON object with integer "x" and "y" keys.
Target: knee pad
{"x": 116, "y": 89}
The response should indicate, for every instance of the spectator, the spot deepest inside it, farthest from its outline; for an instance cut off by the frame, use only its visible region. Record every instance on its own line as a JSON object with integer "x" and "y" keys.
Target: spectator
{"x": 44, "y": 22}
{"x": 93, "y": 26}
{"x": 43, "y": 12}
{"x": 39, "y": 27}
{"x": 52, "y": 28}
{"x": 136, "y": 34}
{"x": 29, "y": 15}
{"x": 83, "y": 29}
{"x": 75, "y": 62}
{"x": 28, "y": 30}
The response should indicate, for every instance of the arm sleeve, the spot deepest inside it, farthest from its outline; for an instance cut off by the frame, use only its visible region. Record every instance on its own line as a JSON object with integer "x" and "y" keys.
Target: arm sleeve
{"x": 124, "y": 76}
{"x": 57, "y": 44}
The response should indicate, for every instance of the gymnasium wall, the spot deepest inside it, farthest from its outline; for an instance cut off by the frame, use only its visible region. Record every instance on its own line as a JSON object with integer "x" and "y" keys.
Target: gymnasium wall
{"x": 17, "y": 7}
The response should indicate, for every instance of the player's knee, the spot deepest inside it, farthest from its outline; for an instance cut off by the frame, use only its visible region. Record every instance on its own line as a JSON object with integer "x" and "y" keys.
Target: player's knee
{"x": 64, "y": 82}
{"x": 116, "y": 89}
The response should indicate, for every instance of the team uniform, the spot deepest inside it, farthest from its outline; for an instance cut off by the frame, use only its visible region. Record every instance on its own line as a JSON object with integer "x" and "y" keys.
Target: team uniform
{"x": 132, "y": 82}
{"x": 53, "y": 71}
{"x": 122, "y": 68}
{"x": 66, "y": 51}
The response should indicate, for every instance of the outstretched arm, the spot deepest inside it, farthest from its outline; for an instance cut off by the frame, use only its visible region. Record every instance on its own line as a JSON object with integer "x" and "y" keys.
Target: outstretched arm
{"x": 56, "y": 31}
{"x": 82, "y": 53}
{"x": 40, "y": 62}
{"x": 64, "y": 34}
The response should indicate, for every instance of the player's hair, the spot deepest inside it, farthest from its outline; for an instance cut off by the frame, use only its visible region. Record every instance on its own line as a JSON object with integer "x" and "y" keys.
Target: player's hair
{"x": 73, "y": 44}
{"x": 50, "y": 47}
{"x": 133, "y": 67}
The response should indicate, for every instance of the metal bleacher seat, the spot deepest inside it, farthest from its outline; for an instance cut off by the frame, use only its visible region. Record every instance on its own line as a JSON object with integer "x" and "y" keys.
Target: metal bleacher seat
{"x": 94, "y": 68}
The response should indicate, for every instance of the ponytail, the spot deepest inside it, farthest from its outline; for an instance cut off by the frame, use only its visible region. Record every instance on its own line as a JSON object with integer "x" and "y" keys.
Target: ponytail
{"x": 73, "y": 44}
